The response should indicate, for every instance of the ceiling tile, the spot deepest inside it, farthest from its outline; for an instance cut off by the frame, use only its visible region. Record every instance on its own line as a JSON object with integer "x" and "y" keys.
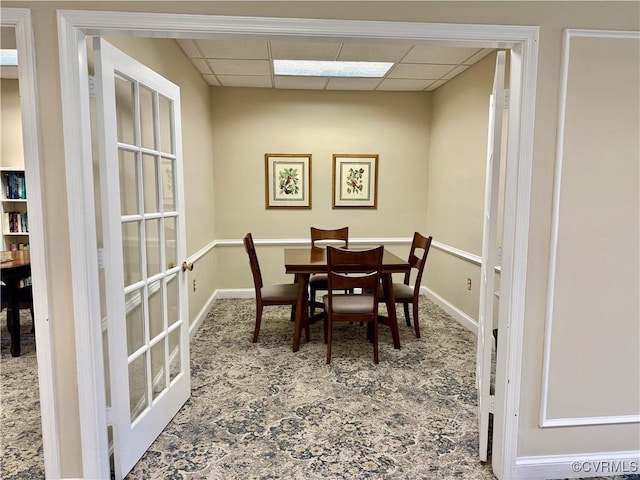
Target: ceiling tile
{"x": 211, "y": 80}
{"x": 343, "y": 83}
{"x": 436, "y": 84}
{"x": 257, "y": 81}
{"x": 242, "y": 49}
{"x": 189, "y": 47}
{"x": 419, "y": 70}
{"x": 301, "y": 50}
{"x": 300, "y": 83}
{"x": 400, "y": 84}
{"x": 240, "y": 67}
{"x": 442, "y": 55}
{"x": 373, "y": 52}
{"x": 201, "y": 65}
{"x": 455, "y": 71}
{"x": 478, "y": 56}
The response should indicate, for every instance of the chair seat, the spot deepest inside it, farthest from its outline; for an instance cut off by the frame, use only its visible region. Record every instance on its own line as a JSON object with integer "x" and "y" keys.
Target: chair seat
{"x": 400, "y": 291}
{"x": 350, "y": 304}
{"x": 281, "y": 292}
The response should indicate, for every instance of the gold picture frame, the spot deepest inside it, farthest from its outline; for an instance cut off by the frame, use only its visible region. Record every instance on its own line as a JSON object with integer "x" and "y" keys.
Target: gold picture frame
{"x": 355, "y": 180}
{"x": 287, "y": 180}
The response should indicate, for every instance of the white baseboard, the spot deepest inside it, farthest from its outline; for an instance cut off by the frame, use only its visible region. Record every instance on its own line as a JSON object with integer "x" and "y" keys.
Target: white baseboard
{"x": 202, "y": 314}
{"x": 552, "y": 467}
{"x": 235, "y": 293}
{"x": 462, "y": 318}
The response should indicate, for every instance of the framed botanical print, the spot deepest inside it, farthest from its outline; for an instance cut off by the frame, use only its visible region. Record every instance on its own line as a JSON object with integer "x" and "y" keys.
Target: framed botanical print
{"x": 288, "y": 180}
{"x": 355, "y": 180}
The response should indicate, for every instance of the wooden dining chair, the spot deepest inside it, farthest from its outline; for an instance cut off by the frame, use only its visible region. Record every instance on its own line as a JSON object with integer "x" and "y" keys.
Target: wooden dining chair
{"x": 349, "y": 270}
{"x": 405, "y": 293}
{"x": 266, "y": 295}
{"x": 318, "y": 281}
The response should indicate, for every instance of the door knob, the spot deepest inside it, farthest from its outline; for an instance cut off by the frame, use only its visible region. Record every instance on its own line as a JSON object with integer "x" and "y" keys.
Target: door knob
{"x": 187, "y": 266}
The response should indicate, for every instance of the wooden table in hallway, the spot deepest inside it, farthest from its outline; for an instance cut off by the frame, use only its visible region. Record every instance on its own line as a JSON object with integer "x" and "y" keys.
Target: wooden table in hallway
{"x": 14, "y": 267}
{"x": 303, "y": 262}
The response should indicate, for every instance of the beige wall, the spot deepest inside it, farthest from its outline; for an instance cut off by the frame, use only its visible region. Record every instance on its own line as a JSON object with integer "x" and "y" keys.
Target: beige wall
{"x": 11, "y": 152}
{"x": 457, "y": 166}
{"x": 552, "y": 17}
{"x": 247, "y": 123}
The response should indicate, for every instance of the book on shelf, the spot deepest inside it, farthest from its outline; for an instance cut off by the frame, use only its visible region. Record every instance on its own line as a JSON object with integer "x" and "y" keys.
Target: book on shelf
{"x": 14, "y": 186}
{"x": 15, "y": 222}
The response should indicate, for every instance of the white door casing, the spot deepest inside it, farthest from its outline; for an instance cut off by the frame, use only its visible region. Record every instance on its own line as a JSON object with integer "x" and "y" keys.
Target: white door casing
{"x": 73, "y": 28}
{"x": 490, "y": 255}
{"x": 139, "y": 139}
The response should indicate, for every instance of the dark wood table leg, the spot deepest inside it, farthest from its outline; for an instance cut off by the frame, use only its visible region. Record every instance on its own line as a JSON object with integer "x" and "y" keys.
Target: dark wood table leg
{"x": 301, "y": 310}
{"x": 13, "y": 315}
{"x": 387, "y": 285}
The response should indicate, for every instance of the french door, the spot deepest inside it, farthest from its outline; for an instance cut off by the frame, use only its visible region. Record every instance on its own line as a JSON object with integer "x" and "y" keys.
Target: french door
{"x": 139, "y": 139}
{"x": 490, "y": 255}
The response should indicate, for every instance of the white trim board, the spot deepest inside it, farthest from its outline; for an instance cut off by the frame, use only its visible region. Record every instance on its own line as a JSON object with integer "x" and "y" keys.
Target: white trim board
{"x": 588, "y": 465}
{"x": 20, "y": 20}
{"x": 545, "y": 421}
{"x": 458, "y": 315}
{"x": 74, "y": 26}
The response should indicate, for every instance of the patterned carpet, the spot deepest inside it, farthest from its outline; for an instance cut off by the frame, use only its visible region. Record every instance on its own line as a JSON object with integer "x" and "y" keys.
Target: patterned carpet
{"x": 259, "y": 411}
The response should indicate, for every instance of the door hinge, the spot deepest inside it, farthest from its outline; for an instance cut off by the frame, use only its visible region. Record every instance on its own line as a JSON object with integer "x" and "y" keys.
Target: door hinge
{"x": 101, "y": 258}
{"x": 506, "y": 98}
{"x": 109, "y": 419}
{"x": 92, "y": 87}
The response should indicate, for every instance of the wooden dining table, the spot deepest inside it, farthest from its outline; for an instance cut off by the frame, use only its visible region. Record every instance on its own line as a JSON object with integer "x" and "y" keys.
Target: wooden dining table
{"x": 14, "y": 267}
{"x": 303, "y": 262}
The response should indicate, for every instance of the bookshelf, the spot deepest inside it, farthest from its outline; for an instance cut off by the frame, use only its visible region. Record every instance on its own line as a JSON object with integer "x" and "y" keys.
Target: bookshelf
{"x": 14, "y": 215}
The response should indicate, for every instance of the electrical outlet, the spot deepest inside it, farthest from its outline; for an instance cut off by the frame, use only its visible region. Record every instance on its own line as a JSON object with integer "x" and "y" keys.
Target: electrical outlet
{"x": 468, "y": 284}
{"x": 194, "y": 284}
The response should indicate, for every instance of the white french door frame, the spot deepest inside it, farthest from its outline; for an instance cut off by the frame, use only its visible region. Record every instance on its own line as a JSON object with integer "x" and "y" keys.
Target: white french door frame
{"x": 20, "y": 20}
{"x": 74, "y": 26}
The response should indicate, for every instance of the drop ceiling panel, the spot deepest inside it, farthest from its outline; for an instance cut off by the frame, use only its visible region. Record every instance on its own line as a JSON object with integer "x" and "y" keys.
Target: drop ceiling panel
{"x": 373, "y": 53}
{"x": 258, "y": 81}
{"x": 302, "y": 50}
{"x": 189, "y": 47}
{"x": 211, "y": 80}
{"x": 442, "y": 55}
{"x": 419, "y": 71}
{"x": 247, "y": 62}
{"x": 302, "y": 83}
{"x": 236, "y": 49}
{"x": 202, "y": 65}
{"x": 352, "y": 83}
{"x": 240, "y": 67}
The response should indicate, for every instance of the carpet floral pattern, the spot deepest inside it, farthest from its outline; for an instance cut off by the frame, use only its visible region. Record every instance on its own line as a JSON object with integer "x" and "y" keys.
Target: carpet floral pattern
{"x": 260, "y": 411}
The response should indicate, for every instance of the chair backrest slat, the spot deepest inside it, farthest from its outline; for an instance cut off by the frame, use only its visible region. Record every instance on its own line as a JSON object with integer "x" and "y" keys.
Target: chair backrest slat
{"x": 253, "y": 261}
{"x": 354, "y": 268}
{"x": 417, "y": 259}
{"x": 339, "y": 234}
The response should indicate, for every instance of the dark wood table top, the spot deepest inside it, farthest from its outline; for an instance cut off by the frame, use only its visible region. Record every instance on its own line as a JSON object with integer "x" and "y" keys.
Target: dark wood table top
{"x": 314, "y": 260}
